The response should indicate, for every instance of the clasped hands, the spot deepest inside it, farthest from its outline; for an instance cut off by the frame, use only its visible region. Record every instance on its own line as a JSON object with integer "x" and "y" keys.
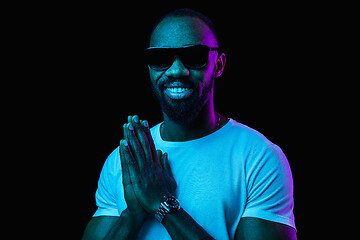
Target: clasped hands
{"x": 146, "y": 172}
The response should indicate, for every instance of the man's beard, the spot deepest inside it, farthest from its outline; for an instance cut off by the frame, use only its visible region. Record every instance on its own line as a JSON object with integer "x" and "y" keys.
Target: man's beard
{"x": 184, "y": 110}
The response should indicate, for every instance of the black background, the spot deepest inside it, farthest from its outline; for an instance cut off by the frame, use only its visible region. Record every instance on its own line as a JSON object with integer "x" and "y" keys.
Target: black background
{"x": 85, "y": 74}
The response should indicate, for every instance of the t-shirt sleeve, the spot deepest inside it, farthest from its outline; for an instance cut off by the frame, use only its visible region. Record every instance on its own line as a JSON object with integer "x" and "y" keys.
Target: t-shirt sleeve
{"x": 105, "y": 194}
{"x": 270, "y": 187}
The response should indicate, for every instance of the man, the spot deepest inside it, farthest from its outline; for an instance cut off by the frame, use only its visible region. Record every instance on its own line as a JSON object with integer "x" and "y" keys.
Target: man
{"x": 211, "y": 177}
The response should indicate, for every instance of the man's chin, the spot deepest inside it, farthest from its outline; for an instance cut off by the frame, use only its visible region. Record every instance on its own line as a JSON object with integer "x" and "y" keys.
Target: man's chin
{"x": 179, "y": 110}
{"x": 183, "y": 110}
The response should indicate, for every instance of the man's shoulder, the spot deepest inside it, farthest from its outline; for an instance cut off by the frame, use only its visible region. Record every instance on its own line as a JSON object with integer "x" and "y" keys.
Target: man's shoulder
{"x": 246, "y": 134}
{"x": 113, "y": 163}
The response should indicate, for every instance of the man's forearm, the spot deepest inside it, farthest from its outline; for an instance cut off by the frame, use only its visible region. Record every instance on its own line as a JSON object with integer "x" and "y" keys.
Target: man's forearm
{"x": 180, "y": 225}
{"x": 126, "y": 227}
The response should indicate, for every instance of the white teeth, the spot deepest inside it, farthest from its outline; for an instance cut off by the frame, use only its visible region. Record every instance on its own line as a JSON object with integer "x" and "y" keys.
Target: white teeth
{"x": 178, "y": 90}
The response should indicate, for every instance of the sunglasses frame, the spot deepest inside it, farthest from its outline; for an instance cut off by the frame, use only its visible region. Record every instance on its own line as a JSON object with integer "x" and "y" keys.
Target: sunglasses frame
{"x": 178, "y": 50}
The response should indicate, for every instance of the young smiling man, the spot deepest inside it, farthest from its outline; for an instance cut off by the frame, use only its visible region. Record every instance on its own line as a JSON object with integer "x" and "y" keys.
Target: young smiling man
{"x": 196, "y": 175}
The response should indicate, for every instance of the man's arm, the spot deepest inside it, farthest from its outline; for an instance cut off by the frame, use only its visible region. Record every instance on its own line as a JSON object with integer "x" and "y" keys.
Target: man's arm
{"x": 124, "y": 227}
{"x": 180, "y": 225}
{"x": 251, "y": 228}
{"x": 98, "y": 227}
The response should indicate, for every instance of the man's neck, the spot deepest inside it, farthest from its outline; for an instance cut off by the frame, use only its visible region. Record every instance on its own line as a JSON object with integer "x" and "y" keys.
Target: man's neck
{"x": 205, "y": 123}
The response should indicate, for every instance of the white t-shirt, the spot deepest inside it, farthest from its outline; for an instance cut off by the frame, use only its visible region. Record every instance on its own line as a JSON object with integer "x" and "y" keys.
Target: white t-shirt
{"x": 232, "y": 173}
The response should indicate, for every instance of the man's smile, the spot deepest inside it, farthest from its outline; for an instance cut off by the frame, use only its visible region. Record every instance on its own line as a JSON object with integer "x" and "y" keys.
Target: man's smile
{"x": 178, "y": 90}
{"x": 178, "y": 93}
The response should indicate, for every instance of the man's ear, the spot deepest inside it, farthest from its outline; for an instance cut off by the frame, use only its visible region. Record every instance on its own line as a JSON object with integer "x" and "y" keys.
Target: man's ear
{"x": 220, "y": 64}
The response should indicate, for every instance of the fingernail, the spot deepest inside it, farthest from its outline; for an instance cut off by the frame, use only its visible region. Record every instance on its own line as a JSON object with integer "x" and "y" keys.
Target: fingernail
{"x": 125, "y": 143}
{"x": 145, "y": 123}
{"x": 129, "y": 118}
{"x": 130, "y": 126}
{"x": 136, "y": 119}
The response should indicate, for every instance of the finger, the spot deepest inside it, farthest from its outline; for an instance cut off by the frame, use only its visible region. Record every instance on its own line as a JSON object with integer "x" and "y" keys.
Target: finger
{"x": 129, "y": 118}
{"x": 124, "y": 167}
{"x": 145, "y": 126}
{"x": 134, "y": 146}
{"x": 159, "y": 153}
{"x": 130, "y": 164}
{"x": 166, "y": 165}
{"x": 143, "y": 141}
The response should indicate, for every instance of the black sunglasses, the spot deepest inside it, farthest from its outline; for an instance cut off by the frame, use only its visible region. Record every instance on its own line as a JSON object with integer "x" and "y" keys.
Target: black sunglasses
{"x": 193, "y": 57}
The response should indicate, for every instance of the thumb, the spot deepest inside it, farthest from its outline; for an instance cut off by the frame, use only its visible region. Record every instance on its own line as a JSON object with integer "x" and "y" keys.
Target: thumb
{"x": 166, "y": 165}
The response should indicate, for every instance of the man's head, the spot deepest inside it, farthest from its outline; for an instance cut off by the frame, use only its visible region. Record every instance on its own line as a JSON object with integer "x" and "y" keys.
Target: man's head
{"x": 182, "y": 73}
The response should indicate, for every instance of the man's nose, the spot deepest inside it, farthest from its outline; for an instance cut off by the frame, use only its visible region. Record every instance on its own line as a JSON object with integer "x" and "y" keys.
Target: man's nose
{"x": 177, "y": 69}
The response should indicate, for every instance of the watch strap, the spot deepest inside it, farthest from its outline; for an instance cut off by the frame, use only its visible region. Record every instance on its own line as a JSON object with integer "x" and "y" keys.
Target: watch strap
{"x": 161, "y": 213}
{"x": 164, "y": 209}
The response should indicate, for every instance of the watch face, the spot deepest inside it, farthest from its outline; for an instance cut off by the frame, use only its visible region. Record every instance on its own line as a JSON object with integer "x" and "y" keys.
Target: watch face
{"x": 172, "y": 203}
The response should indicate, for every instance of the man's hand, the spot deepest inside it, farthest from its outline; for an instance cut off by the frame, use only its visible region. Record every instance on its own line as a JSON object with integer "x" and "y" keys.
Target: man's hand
{"x": 147, "y": 176}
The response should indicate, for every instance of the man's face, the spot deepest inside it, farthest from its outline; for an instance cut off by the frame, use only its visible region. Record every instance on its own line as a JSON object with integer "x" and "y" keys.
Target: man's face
{"x": 182, "y": 91}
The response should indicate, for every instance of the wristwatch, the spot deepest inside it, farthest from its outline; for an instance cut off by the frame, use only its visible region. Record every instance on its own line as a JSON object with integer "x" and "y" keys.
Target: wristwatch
{"x": 167, "y": 205}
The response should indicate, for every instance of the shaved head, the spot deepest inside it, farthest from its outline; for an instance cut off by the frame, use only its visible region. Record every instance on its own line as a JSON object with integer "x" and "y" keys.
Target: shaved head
{"x": 177, "y": 24}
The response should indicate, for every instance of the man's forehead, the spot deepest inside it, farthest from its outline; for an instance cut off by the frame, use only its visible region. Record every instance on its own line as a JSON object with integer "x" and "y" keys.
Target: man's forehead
{"x": 182, "y": 31}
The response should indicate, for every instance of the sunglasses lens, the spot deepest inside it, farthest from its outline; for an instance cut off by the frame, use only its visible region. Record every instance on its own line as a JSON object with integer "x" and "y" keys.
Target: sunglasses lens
{"x": 159, "y": 59}
{"x": 195, "y": 57}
